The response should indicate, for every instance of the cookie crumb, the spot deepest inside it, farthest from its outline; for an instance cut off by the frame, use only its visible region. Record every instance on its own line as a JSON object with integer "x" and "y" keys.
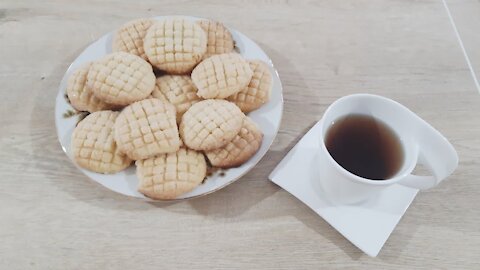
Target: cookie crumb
{"x": 66, "y": 98}
{"x": 69, "y": 113}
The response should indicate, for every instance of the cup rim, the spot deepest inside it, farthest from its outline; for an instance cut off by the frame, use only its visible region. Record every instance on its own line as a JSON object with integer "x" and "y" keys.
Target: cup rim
{"x": 397, "y": 177}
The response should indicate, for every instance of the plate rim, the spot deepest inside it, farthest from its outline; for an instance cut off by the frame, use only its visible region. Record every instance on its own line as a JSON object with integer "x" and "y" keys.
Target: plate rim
{"x": 61, "y": 93}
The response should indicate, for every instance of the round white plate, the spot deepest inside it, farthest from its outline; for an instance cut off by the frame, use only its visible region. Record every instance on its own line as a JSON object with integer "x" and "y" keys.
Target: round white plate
{"x": 268, "y": 118}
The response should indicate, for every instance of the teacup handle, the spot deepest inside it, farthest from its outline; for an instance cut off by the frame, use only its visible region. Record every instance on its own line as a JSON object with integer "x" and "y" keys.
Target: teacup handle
{"x": 436, "y": 153}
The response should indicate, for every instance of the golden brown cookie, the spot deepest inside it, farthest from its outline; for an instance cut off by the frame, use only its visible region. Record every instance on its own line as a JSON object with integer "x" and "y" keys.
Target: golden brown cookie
{"x": 129, "y": 38}
{"x": 221, "y": 75}
{"x": 178, "y": 90}
{"x": 93, "y": 146}
{"x": 210, "y": 124}
{"x": 147, "y": 128}
{"x": 219, "y": 39}
{"x": 169, "y": 175}
{"x": 175, "y": 45}
{"x": 80, "y": 96}
{"x": 240, "y": 149}
{"x": 258, "y": 90}
{"x": 121, "y": 78}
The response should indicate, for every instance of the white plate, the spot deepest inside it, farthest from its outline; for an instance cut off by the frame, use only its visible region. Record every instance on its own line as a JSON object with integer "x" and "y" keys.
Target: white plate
{"x": 367, "y": 225}
{"x": 268, "y": 118}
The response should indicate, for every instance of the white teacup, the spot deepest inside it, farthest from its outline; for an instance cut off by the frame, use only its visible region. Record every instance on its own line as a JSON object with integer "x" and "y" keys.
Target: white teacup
{"x": 421, "y": 144}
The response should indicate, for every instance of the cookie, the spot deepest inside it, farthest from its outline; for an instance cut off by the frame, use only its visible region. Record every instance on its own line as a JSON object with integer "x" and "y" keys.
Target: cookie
{"x": 147, "y": 128}
{"x": 93, "y": 145}
{"x": 210, "y": 124}
{"x": 178, "y": 90}
{"x": 258, "y": 90}
{"x": 240, "y": 149}
{"x": 175, "y": 45}
{"x": 221, "y": 75}
{"x": 129, "y": 38}
{"x": 121, "y": 78}
{"x": 169, "y": 175}
{"x": 219, "y": 39}
{"x": 80, "y": 96}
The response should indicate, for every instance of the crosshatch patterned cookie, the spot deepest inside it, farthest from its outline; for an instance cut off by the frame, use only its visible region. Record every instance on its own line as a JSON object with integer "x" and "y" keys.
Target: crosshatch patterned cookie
{"x": 129, "y": 38}
{"x": 80, "y": 96}
{"x": 240, "y": 149}
{"x": 170, "y": 175}
{"x": 221, "y": 75}
{"x": 121, "y": 78}
{"x": 93, "y": 146}
{"x": 147, "y": 128}
{"x": 219, "y": 39}
{"x": 178, "y": 90}
{"x": 175, "y": 45}
{"x": 210, "y": 124}
{"x": 258, "y": 90}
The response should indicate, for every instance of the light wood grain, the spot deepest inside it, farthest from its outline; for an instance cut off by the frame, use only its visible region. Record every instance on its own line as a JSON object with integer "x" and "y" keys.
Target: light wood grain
{"x": 466, "y": 17}
{"x": 53, "y": 217}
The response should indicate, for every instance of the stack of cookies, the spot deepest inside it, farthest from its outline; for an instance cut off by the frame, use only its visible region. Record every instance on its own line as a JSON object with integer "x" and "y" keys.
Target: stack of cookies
{"x": 172, "y": 124}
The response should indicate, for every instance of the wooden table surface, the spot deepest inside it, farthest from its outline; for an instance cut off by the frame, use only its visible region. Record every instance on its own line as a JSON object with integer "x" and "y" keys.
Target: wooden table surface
{"x": 53, "y": 217}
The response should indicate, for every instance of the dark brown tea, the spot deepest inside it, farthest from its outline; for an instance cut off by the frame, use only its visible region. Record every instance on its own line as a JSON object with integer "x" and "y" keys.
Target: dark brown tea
{"x": 365, "y": 146}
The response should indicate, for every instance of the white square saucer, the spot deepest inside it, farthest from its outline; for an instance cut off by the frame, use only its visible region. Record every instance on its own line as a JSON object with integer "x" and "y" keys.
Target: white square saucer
{"x": 367, "y": 225}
